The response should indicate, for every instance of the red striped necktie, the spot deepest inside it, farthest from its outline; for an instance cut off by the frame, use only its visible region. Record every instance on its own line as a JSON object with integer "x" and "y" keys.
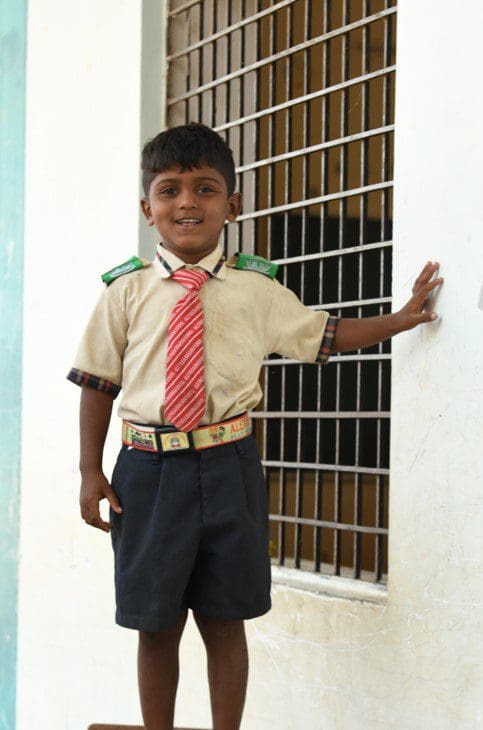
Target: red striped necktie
{"x": 185, "y": 400}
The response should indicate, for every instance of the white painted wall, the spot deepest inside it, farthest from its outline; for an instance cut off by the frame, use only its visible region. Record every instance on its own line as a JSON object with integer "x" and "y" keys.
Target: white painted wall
{"x": 75, "y": 666}
{"x": 317, "y": 662}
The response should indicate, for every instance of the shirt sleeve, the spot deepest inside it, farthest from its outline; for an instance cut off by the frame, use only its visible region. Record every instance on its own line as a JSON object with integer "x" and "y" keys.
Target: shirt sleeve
{"x": 98, "y": 361}
{"x": 296, "y": 331}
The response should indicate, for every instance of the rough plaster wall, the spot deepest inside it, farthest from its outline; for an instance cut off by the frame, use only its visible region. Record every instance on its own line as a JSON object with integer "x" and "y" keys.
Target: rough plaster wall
{"x": 332, "y": 664}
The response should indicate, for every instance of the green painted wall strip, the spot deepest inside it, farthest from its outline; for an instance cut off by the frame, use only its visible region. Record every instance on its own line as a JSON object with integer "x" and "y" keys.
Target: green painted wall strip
{"x": 13, "y": 17}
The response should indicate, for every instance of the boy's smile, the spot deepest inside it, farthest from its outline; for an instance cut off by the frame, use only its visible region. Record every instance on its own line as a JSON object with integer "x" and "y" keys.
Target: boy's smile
{"x": 189, "y": 210}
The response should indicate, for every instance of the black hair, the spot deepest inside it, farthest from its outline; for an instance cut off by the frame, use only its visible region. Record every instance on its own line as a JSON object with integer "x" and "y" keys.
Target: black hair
{"x": 188, "y": 145}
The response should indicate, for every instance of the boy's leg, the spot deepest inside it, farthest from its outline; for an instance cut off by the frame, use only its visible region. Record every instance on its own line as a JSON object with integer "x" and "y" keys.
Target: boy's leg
{"x": 227, "y": 653}
{"x": 158, "y": 672}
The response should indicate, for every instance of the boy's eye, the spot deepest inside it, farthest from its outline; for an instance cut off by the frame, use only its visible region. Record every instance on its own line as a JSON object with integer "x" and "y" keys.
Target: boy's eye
{"x": 168, "y": 191}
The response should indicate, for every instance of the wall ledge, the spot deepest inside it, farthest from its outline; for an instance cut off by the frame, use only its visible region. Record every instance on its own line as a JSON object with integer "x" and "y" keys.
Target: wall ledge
{"x": 335, "y": 586}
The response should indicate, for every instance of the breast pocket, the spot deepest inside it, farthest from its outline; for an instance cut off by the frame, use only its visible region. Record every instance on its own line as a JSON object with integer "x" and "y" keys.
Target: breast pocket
{"x": 230, "y": 351}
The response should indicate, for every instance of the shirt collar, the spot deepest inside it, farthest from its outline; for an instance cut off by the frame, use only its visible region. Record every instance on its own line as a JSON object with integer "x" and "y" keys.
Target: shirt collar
{"x": 166, "y": 262}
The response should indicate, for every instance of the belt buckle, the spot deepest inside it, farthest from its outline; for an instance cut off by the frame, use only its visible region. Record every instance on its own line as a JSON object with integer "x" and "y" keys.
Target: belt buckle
{"x": 174, "y": 441}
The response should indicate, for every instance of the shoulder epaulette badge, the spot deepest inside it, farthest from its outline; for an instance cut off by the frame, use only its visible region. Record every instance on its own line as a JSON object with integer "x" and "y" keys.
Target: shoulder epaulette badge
{"x": 131, "y": 264}
{"x": 250, "y": 262}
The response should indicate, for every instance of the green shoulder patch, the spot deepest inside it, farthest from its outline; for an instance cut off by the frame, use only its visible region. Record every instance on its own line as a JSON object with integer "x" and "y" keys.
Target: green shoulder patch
{"x": 131, "y": 264}
{"x": 251, "y": 262}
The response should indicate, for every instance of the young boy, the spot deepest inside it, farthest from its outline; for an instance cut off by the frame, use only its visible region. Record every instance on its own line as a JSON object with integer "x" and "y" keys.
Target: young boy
{"x": 184, "y": 337}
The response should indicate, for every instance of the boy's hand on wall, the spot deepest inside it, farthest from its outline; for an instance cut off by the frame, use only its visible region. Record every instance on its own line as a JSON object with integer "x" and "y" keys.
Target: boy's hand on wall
{"x": 95, "y": 487}
{"x": 411, "y": 314}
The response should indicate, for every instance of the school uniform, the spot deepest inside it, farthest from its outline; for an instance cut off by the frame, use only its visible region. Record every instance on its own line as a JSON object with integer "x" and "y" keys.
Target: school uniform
{"x": 194, "y": 531}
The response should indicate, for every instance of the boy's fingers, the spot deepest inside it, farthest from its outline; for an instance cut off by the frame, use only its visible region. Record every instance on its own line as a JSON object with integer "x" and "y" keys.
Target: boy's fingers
{"x": 89, "y": 511}
{"x": 93, "y": 519}
{"x": 423, "y": 292}
{"x": 99, "y": 522}
{"x": 427, "y": 317}
{"x": 91, "y": 516}
{"x": 113, "y": 500}
{"x": 426, "y": 270}
{"x": 432, "y": 284}
{"x": 425, "y": 275}
{"x": 422, "y": 318}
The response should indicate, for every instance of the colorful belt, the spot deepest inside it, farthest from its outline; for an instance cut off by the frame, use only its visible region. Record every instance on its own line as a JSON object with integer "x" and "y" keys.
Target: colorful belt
{"x": 166, "y": 438}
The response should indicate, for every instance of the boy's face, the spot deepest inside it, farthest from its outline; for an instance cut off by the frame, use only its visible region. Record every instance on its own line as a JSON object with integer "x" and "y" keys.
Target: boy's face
{"x": 200, "y": 193}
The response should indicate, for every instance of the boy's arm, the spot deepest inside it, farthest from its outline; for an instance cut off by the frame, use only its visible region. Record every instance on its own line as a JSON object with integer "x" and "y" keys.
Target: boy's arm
{"x": 97, "y": 369}
{"x": 94, "y": 418}
{"x": 357, "y": 333}
{"x": 95, "y": 415}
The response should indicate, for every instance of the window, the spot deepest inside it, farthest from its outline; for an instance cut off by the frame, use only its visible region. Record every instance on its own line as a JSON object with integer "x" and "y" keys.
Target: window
{"x": 303, "y": 93}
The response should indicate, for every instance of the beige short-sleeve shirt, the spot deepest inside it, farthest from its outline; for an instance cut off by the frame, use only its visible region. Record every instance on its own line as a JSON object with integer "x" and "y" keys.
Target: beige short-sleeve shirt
{"x": 247, "y": 316}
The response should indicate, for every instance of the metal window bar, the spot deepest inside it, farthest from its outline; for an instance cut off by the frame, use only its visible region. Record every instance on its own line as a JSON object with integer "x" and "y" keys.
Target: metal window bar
{"x": 229, "y": 29}
{"x": 312, "y": 201}
{"x": 307, "y": 97}
{"x": 182, "y": 8}
{"x": 315, "y": 148}
{"x": 276, "y": 56}
{"x": 303, "y": 93}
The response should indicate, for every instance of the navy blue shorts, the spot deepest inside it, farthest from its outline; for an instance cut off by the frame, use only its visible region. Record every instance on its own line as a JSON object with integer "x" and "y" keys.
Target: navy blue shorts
{"x": 193, "y": 534}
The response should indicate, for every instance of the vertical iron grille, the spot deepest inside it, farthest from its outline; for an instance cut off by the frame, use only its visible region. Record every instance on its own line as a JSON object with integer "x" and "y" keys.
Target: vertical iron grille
{"x": 303, "y": 93}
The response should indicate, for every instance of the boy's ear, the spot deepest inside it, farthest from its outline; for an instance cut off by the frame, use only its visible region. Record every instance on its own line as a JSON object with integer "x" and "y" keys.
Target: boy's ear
{"x": 235, "y": 205}
{"x": 146, "y": 209}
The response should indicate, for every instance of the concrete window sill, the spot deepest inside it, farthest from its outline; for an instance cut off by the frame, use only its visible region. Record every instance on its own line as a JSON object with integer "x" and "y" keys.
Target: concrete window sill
{"x": 335, "y": 586}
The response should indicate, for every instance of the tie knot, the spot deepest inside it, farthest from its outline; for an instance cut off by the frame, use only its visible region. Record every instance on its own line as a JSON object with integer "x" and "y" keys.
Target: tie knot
{"x": 189, "y": 278}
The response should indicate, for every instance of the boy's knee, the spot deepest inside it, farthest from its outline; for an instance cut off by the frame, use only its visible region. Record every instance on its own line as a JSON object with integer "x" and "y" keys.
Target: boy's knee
{"x": 217, "y": 627}
{"x": 151, "y": 637}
